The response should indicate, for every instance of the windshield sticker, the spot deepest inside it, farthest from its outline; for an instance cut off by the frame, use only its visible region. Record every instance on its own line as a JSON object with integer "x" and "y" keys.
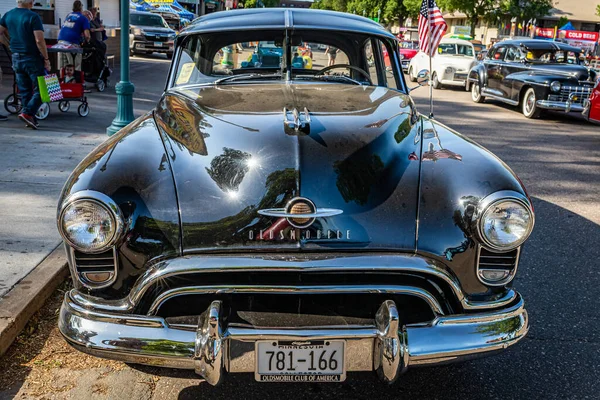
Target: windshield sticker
{"x": 185, "y": 74}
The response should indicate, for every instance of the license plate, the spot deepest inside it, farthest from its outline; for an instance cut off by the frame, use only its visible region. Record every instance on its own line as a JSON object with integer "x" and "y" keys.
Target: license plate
{"x": 157, "y": 44}
{"x": 300, "y": 361}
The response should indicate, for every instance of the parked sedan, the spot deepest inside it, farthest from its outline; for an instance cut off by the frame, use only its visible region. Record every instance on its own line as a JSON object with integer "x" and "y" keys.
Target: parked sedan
{"x": 535, "y": 75}
{"x": 296, "y": 224}
{"x": 408, "y": 49}
{"x": 450, "y": 65}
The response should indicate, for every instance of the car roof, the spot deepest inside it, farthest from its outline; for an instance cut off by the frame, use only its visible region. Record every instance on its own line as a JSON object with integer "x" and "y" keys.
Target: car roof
{"x": 282, "y": 18}
{"x": 540, "y": 44}
{"x": 456, "y": 41}
{"x": 131, "y": 12}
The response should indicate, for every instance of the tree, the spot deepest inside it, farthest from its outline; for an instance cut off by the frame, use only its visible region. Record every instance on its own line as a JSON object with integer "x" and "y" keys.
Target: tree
{"x": 266, "y": 3}
{"x": 523, "y": 10}
{"x": 399, "y": 10}
{"x": 598, "y": 10}
{"x": 473, "y": 9}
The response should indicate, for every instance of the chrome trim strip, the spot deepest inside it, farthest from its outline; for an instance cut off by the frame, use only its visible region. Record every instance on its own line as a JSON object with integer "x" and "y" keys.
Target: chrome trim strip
{"x": 504, "y": 281}
{"x": 485, "y": 93}
{"x": 216, "y": 264}
{"x": 150, "y": 340}
{"x": 281, "y": 213}
{"x": 277, "y": 289}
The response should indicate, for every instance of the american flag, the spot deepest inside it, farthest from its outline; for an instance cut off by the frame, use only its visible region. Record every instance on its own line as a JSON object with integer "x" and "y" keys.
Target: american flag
{"x": 428, "y": 42}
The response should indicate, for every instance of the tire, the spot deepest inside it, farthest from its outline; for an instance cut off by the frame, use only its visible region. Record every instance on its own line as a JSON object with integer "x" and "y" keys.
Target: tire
{"x": 64, "y": 105}
{"x": 100, "y": 85}
{"x": 528, "y": 106}
{"x": 12, "y": 104}
{"x": 43, "y": 112}
{"x": 83, "y": 110}
{"x": 476, "y": 93}
{"x": 410, "y": 75}
{"x": 169, "y": 56}
{"x": 131, "y": 53}
{"x": 436, "y": 82}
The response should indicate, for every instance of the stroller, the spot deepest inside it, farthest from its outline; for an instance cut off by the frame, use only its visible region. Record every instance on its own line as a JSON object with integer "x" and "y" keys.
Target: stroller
{"x": 94, "y": 64}
{"x": 12, "y": 102}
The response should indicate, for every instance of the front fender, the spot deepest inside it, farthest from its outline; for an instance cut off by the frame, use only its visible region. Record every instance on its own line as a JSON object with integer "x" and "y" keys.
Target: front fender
{"x": 133, "y": 169}
{"x": 456, "y": 174}
{"x": 477, "y": 74}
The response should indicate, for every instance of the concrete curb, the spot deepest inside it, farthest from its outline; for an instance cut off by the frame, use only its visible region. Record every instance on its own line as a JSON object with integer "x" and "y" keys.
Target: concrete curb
{"x": 28, "y": 296}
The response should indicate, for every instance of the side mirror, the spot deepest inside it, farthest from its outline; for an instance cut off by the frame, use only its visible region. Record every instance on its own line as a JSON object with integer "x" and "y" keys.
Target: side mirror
{"x": 422, "y": 79}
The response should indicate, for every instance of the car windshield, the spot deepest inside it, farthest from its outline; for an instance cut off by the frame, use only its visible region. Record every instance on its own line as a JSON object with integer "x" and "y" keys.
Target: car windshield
{"x": 223, "y": 58}
{"x": 147, "y": 20}
{"x": 455, "y": 49}
{"x": 409, "y": 45}
{"x": 552, "y": 57}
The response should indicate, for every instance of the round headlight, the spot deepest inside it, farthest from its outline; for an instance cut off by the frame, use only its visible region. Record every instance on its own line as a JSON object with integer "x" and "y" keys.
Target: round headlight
{"x": 505, "y": 224}
{"x": 555, "y": 86}
{"x": 89, "y": 224}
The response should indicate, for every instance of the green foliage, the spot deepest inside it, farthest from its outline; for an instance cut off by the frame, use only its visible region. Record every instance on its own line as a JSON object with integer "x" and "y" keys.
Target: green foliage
{"x": 392, "y": 11}
{"x": 562, "y": 21}
{"x": 473, "y": 9}
{"x": 267, "y": 3}
{"x": 522, "y": 10}
{"x": 598, "y": 10}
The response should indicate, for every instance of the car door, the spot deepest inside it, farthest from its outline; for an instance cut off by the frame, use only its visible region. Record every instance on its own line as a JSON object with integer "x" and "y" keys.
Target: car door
{"x": 512, "y": 64}
{"x": 494, "y": 63}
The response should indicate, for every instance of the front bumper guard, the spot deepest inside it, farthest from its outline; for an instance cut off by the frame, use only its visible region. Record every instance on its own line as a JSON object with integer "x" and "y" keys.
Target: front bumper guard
{"x": 386, "y": 347}
{"x": 566, "y": 106}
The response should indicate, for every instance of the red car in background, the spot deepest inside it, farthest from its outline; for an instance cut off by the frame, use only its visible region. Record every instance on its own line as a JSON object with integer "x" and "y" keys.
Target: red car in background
{"x": 592, "y": 106}
{"x": 408, "y": 49}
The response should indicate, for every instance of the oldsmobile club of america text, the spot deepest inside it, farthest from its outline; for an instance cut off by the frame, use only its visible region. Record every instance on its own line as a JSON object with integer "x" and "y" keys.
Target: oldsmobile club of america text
{"x": 296, "y": 234}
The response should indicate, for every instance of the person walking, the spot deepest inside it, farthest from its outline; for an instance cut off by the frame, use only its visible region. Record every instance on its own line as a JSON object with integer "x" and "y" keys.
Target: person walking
{"x": 331, "y": 54}
{"x": 29, "y": 55}
{"x": 75, "y": 26}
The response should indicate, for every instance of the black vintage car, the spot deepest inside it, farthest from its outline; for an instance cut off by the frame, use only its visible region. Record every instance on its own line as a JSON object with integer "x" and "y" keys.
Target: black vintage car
{"x": 535, "y": 75}
{"x": 291, "y": 223}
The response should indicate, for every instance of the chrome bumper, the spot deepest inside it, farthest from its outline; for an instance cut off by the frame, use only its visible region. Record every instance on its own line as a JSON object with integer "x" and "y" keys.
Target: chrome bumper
{"x": 566, "y": 106}
{"x": 213, "y": 348}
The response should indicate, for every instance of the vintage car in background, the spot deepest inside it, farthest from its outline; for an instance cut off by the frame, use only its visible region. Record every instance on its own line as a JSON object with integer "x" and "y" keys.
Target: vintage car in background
{"x": 450, "y": 65}
{"x": 591, "y": 109}
{"x": 534, "y": 75}
{"x": 408, "y": 49}
{"x": 296, "y": 224}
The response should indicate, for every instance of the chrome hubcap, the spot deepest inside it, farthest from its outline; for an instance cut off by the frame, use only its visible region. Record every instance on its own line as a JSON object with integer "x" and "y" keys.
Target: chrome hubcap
{"x": 529, "y": 104}
{"x": 475, "y": 92}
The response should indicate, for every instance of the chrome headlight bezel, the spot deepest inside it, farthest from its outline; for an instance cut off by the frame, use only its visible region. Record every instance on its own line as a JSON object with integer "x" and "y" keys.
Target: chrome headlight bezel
{"x": 490, "y": 201}
{"x": 555, "y": 86}
{"x": 101, "y": 200}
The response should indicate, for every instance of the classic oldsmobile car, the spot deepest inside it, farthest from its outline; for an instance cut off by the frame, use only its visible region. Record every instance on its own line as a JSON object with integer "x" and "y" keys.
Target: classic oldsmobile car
{"x": 535, "y": 75}
{"x": 295, "y": 224}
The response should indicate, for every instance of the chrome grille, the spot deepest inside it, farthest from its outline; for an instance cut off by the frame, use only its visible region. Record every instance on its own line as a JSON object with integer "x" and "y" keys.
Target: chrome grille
{"x": 100, "y": 263}
{"x": 582, "y": 93}
{"x": 506, "y": 262}
{"x": 156, "y": 38}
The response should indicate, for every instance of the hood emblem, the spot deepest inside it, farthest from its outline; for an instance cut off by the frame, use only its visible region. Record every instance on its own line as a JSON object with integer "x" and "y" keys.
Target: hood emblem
{"x": 300, "y": 212}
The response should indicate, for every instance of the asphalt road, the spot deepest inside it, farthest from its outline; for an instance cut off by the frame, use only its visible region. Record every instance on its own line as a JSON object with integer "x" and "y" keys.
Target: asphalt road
{"x": 558, "y": 159}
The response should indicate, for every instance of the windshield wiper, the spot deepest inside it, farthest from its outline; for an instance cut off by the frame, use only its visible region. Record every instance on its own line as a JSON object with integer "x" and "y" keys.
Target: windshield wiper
{"x": 231, "y": 78}
{"x": 330, "y": 77}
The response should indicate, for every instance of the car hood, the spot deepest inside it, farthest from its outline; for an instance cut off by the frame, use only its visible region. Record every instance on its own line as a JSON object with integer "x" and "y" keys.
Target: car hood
{"x": 461, "y": 63}
{"x": 154, "y": 29}
{"x": 232, "y": 158}
{"x": 579, "y": 72}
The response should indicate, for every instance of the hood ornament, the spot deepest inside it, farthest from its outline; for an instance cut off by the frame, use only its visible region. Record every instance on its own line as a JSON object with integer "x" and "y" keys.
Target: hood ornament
{"x": 300, "y": 212}
{"x": 296, "y": 124}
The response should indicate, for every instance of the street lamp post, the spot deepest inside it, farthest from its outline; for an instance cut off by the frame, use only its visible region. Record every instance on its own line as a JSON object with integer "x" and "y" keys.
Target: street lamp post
{"x": 124, "y": 88}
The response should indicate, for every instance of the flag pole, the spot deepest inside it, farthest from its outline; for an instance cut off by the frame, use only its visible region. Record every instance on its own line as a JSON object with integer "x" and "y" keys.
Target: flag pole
{"x": 429, "y": 51}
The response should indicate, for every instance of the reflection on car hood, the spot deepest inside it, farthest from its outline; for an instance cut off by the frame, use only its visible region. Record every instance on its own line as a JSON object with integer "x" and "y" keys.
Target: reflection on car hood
{"x": 232, "y": 156}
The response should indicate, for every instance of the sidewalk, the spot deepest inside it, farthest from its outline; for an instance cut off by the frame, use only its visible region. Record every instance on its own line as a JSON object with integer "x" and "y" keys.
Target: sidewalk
{"x": 34, "y": 164}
